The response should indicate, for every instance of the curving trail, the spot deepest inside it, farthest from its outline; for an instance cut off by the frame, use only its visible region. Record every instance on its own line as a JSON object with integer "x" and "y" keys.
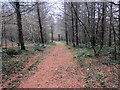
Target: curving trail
{"x": 57, "y": 70}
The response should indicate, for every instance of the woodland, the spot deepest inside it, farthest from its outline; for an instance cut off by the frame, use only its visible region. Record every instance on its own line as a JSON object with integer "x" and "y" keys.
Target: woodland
{"x": 60, "y": 44}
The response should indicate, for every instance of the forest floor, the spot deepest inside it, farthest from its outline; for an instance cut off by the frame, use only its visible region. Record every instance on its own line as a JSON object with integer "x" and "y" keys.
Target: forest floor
{"x": 60, "y": 66}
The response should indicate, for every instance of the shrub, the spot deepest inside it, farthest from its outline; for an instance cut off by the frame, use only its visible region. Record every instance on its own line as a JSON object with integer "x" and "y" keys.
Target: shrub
{"x": 37, "y": 48}
{"x": 82, "y": 46}
{"x": 88, "y": 46}
{"x": 10, "y": 67}
{"x": 83, "y": 54}
{"x": 12, "y": 52}
{"x": 109, "y": 61}
{"x": 76, "y": 55}
{"x": 4, "y": 55}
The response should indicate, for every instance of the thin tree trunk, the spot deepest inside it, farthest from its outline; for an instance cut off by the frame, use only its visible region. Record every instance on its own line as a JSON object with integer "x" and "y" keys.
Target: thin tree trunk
{"x": 21, "y": 40}
{"x": 40, "y": 25}
{"x": 119, "y": 26}
{"x": 52, "y": 33}
{"x": 59, "y": 37}
{"x": 103, "y": 23}
{"x": 4, "y": 29}
{"x": 77, "y": 41}
{"x": 115, "y": 52}
{"x": 73, "y": 40}
{"x": 110, "y": 26}
{"x": 97, "y": 24}
{"x": 93, "y": 41}
{"x": 2, "y": 36}
{"x": 66, "y": 32}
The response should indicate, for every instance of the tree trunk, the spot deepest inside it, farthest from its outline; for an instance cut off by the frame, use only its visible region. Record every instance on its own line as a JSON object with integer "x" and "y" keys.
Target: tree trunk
{"x": 19, "y": 24}
{"x": 93, "y": 41}
{"x": 115, "y": 48}
{"x": 77, "y": 41}
{"x": 40, "y": 25}
{"x": 119, "y": 26}
{"x": 2, "y": 35}
{"x": 58, "y": 37}
{"x": 4, "y": 30}
{"x": 97, "y": 24}
{"x": 110, "y": 26}
{"x": 103, "y": 23}
{"x": 73, "y": 40}
{"x": 51, "y": 33}
{"x": 66, "y": 32}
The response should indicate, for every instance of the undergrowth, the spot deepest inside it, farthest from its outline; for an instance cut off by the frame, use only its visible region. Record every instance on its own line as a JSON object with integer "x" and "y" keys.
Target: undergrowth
{"x": 14, "y": 60}
{"x": 99, "y": 72}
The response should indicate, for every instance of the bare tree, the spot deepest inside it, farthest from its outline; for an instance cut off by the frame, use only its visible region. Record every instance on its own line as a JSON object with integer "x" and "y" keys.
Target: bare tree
{"x": 72, "y": 24}
{"x": 52, "y": 32}
{"x": 93, "y": 41}
{"x": 119, "y": 26}
{"x": 4, "y": 28}
{"x": 110, "y": 31}
{"x": 19, "y": 24}
{"x": 77, "y": 40}
{"x": 40, "y": 25}
{"x": 66, "y": 31}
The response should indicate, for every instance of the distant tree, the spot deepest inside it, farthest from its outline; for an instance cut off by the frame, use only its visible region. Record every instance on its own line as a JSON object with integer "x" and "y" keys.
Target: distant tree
{"x": 51, "y": 32}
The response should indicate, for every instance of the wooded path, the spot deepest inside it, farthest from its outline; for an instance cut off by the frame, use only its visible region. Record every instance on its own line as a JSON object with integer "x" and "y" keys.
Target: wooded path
{"x": 57, "y": 70}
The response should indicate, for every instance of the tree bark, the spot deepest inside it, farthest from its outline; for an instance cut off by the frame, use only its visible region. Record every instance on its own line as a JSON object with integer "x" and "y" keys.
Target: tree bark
{"x": 103, "y": 23}
{"x": 110, "y": 42}
{"x": 115, "y": 48}
{"x": 119, "y": 27}
{"x": 40, "y": 25}
{"x": 73, "y": 40}
{"x": 93, "y": 41}
{"x": 77, "y": 40}
{"x": 59, "y": 37}
{"x": 4, "y": 30}
{"x": 19, "y": 24}
{"x": 66, "y": 32}
{"x": 51, "y": 33}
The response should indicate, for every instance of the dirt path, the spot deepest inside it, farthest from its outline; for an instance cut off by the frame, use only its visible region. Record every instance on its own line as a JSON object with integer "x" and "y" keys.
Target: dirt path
{"x": 31, "y": 61}
{"x": 58, "y": 70}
